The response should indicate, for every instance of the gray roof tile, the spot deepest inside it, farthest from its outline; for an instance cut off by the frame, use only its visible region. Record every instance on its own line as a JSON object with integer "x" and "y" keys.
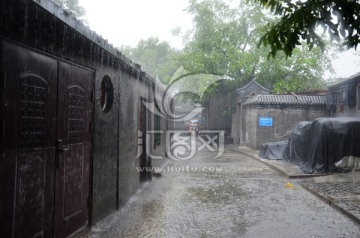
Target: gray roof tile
{"x": 286, "y": 100}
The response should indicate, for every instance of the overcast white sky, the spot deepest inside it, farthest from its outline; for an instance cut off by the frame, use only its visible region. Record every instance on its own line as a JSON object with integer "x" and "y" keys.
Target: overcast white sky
{"x": 126, "y": 22}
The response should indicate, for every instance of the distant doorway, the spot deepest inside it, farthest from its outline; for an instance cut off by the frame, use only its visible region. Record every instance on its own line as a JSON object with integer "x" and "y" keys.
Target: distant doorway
{"x": 145, "y": 160}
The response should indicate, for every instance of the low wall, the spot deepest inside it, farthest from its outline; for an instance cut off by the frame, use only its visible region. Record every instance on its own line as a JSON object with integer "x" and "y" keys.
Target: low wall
{"x": 284, "y": 118}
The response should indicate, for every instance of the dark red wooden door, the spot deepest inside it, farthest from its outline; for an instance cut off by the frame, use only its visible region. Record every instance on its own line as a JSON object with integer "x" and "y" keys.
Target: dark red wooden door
{"x": 45, "y": 144}
{"x": 27, "y": 161}
{"x": 73, "y": 149}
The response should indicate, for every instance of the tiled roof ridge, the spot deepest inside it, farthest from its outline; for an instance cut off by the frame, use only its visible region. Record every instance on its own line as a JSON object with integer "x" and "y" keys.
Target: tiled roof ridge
{"x": 287, "y": 99}
{"x": 250, "y": 83}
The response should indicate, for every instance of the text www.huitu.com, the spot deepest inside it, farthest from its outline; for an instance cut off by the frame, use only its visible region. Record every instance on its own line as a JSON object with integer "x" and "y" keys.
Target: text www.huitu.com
{"x": 180, "y": 169}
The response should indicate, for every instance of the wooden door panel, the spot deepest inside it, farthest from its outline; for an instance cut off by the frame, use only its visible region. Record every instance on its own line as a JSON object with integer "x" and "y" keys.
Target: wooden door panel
{"x": 27, "y": 142}
{"x": 74, "y": 139}
{"x": 30, "y": 194}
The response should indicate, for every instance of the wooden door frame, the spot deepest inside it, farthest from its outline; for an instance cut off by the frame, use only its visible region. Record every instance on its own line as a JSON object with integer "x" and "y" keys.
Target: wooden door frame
{"x": 89, "y": 196}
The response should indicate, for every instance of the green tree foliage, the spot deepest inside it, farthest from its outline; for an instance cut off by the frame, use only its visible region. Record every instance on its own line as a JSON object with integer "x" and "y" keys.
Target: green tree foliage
{"x": 299, "y": 20}
{"x": 156, "y": 57}
{"x": 224, "y": 41}
{"x": 302, "y": 72}
{"x": 221, "y": 40}
{"x": 72, "y": 6}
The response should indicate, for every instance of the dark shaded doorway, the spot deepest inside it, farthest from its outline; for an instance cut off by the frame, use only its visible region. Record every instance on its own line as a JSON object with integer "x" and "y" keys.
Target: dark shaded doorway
{"x": 145, "y": 160}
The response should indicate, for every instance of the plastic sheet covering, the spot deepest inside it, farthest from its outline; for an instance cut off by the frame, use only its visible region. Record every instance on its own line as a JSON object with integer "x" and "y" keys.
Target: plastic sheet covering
{"x": 351, "y": 163}
{"x": 273, "y": 150}
{"x": 316, "y": 146}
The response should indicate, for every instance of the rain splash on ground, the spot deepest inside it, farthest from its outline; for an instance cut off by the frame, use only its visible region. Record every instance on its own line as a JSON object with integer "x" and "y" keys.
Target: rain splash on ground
{"x": 230, "y": 196}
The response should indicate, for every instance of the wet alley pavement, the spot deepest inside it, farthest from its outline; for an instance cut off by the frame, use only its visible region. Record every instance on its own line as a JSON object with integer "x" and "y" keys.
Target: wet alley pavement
{"x": 340, "y": 190}
{"x": 230, "y": 196}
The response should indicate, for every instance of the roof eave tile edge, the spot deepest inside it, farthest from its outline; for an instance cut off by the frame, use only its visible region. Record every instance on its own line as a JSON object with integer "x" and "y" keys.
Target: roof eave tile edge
{"x": 80, "y": 27}
{"x": 285, "y": 104}
{"x": 352, "y": 77}
{"x": 249, "y": 83}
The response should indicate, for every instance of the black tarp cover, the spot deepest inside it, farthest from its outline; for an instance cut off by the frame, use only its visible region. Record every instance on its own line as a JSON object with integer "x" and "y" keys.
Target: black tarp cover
{"x": 316, "y": 146}
{"x": 273, "y": 150}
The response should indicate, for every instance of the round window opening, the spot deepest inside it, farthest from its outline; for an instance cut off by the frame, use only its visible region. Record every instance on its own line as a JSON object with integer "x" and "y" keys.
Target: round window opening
{"x": 106, "y": 94}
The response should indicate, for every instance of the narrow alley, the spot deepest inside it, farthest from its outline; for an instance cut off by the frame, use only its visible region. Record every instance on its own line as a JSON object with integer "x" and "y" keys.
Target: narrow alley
{"x": 230, "y": 196}
{"x": 100, "y": 138}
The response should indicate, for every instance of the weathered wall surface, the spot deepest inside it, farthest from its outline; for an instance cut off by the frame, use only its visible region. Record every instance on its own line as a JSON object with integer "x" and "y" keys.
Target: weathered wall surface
{"x": 218, "y": 113}
{"x": 43, "y": 27}
{"x": 284, "y": 119}
{"x": 344, "y": 98}
{"x": 242, "y": 94}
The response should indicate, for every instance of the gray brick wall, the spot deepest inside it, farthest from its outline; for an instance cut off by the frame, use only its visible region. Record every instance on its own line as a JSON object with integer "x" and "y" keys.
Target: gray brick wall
{"x": 284, "y": 119}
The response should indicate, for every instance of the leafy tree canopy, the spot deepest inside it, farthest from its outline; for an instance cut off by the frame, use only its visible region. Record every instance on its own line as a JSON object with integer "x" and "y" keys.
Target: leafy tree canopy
{"x": 299, "y": 20}
{"x": 156, "y": 57}
{"x": 72, "y": 6}
{"x": 224, "y": 41}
